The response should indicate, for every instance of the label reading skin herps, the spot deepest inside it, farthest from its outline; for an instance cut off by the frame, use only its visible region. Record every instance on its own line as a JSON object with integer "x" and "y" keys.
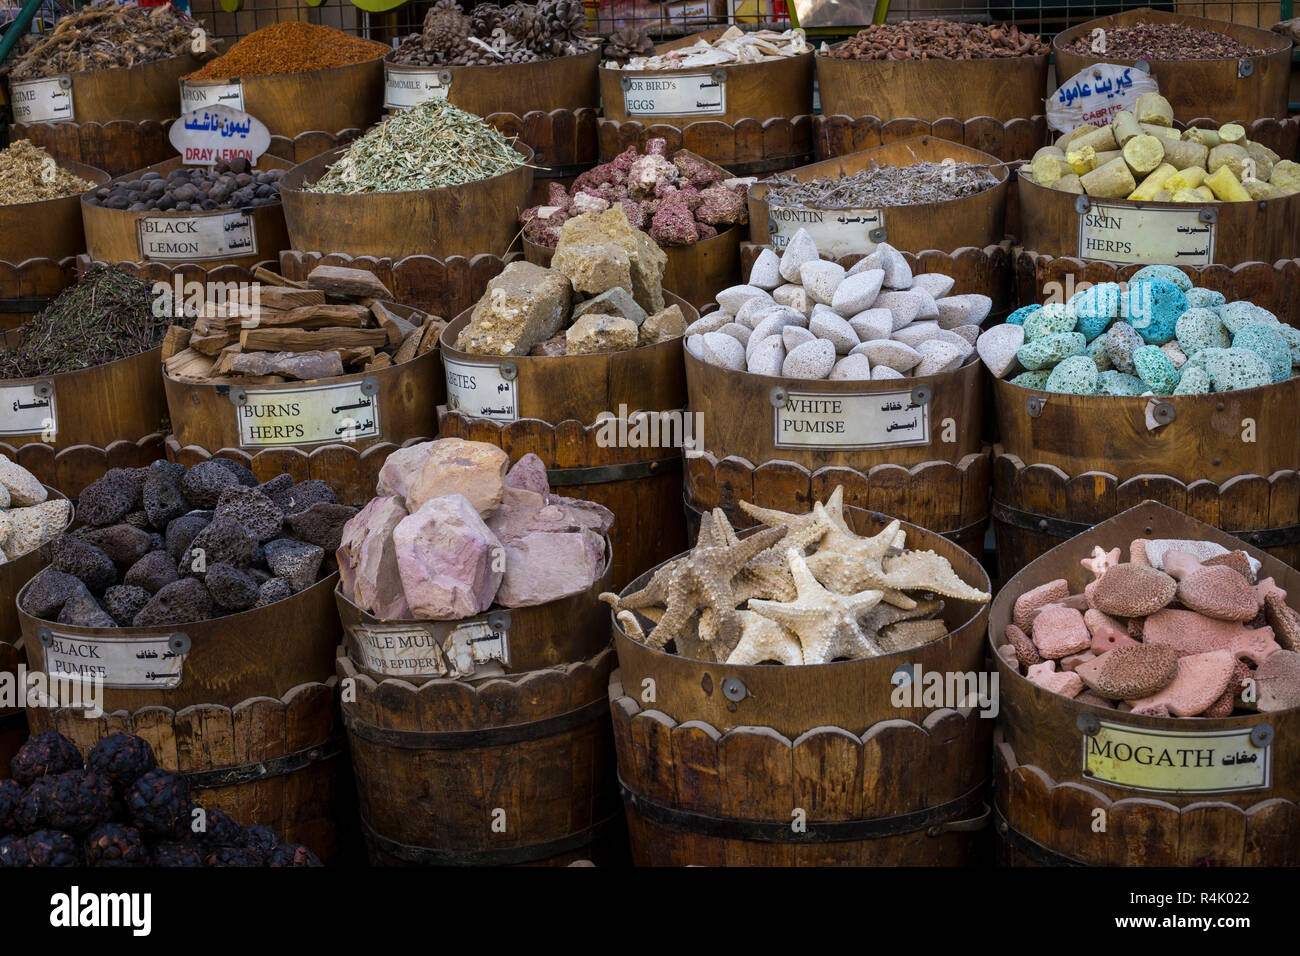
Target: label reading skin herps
{"x": 1173, "y": 237}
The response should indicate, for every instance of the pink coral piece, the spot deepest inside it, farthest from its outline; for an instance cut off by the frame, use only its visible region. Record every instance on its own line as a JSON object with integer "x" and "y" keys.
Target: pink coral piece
{"x": 1279, "y": 682}
{"x": 1133, "y": 590}
{"x": 1050, "y": 593}
{"x": 1266, "y": 587}
{"x": 1045, "y": 675}
{"x": 1188, "y": 632}
{"x": 1137, "y": 552}
{"x": 1073, "y": 661}
{"x": 1101, "y": 561}
{"x": 1107, "y": 633}
{"x": 1180, "y": 564}
{"x": 673, "y": 225}
{"x": 1059, "y": 632}
{"x": 1201, "y": 680}
{"x": 1023, "y": 646}
{"x": 1219, "y": 592}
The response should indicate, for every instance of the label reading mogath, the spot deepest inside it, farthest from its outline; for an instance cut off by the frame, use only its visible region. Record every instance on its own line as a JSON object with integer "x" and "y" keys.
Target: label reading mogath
{"x": 24, "y": 412}
{"x": 1160, "y": 761}
{"x": 412, "y": 87}
{"x": 146, "y": 663}
{"x": 312, "y": 415}
{"x": 836, "y": 421}
{"x": 837, "y": 232}
{"x": 195, "y": 238}
{"x": 687, "y": 94}
{"x": 195, "y": 97}
{"x": 42, "y": 101}
{"x": 481, "y": 391}
{"x": 1175, "y": 237}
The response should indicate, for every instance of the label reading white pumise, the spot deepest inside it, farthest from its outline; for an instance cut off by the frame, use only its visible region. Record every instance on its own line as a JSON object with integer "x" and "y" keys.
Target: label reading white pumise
{"x": 28, "y": 409}
{"x": 144, "y": 663}
{"x": 1160, "y": 761}
{"x": 195, "y": 97}
{"x": 412, "y": 87}
{"x": 675, "y": 94}
{"x": 312, "y": 415}
{"x": 196, "y": 238}
{"x": 481, "y": 391}
{"x": 1175, "y": 237}
{"x": 42, "y": 101}
{"x": 835, "y": 421}
{"x": 836, "y": 232}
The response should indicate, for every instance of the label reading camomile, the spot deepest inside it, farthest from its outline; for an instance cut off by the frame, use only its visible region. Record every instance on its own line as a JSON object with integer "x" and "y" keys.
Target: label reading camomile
{"x": 480, "y": 390}
{"x": 28, "y": 409}
{"x": 147, "y": 662}
{"x": 674, "y": 94}
{"x": 837, "y": 232}
{"x": 1169, "y": 761}
{"x": 312, "y": 415}
{"x": 407, "y": 88}
{"x": 196, "y": 238}
{"x": 45, "y": 100}
{"x": 1175, "y": 237}
{"x": 845, "y": 422}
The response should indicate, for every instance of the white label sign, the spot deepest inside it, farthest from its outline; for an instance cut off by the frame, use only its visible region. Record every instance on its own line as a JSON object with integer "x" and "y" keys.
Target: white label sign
{"x": 481, "y": 391}
{"x": 674, "y": 94}
{"x": 311, "y": 415}
{"x": 147, "y": 662}
{"x": 1095, "y": 94}
{"x": 474, "y": 643}
{"x": 42, "y": 101}
{"x": 196, "y": 238}
{"x": 837, "y": 232}
{"x": 838, "y": 421}
{"x": 1168, "y": 761}
{"x": 28, "y": 409}
{"x": 212, "y": 134}
{"x": 412, "y": 87}
{"x": 411, "y": 651}
{"x": 1168, "y": 236}
{"x": 196, "y": 97}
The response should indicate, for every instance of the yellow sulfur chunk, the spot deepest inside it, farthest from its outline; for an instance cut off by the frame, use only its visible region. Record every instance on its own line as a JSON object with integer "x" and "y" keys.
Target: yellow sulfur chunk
{"x": 1066, "y": 138}
{"x": 1069, "y": 184}
{"x": 1206, "y": 137}
{"x": 1143, "y": 154}
{"x": 1205, "y": 193}
{"x": 1259, "y": 189}
{"x": 1226, "y": 186}
{"x": 1188, "y": 178}
{"x": 1112, "y": 181}
{"x": 1082, "y": 160}
{"x": 1187, "y": 195}
{"x": 1232, "y": 133}
{"x": 1049, "y": 165}
{"x": 1156, "y": 181}
{"x": 1125, "y": 127}
{"x": 1099, "y": 139}
{"x": 1264, "y": 160}
{"x": 1286, "y": 176}
{"x": 1154, "y": 109}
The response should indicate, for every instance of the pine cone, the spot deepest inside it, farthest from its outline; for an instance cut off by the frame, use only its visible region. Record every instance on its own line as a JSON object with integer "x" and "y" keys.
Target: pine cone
{"x": 485, "y": 18}
{"x": 567, "y": 22}
{"x": 445, "y": 30}
{"x": 627, "y": 42}
{"x": 527, "y": 25}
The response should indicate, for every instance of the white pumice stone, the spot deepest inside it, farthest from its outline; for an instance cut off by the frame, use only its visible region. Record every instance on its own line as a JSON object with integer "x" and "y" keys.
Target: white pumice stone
{"x": 766, "y": 273}
{"x": 898, "y": 274}
{"x": 851, "y": 368}
{"x": 740, "y": 333}
{"x": 977, "y": 308}
{"x": 937, "y": 357}
{"x": 935, "y": 283}
{"x": 794, "y": 297}
{"x": 916, "y": 333}
{"x": 767, "y": 356}
{"x": 928, "y": 309}
{"x": 970, "y": 333}
{"x": 794, "y": 336}
{"x": 811, "y": 360}
{"x": 903, "y": 306}
{"x": 857, "y": 292}
{"x": 695, "y": 345}
{"x": 896, "y": 355}
{"x": 997, "y": 347}
{"x": 709, "y": 323}
{"x": 722, "y": 349}
{"x": 827, "y": 325}
{"x": 736, "y": 296}
{"x": 800, "y": 250}
{"x": 820, "y": 279}
{"x": 750, "y": 312}
{"x": 772, "y": 325}
{"x": 881, "y": 372}
{"x": 873, "y": 324}
{"x": 961, "y": 344}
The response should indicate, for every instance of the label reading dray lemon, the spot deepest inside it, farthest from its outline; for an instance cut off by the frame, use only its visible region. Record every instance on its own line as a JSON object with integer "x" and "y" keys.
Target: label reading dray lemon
{"x": 1160, "y": 761}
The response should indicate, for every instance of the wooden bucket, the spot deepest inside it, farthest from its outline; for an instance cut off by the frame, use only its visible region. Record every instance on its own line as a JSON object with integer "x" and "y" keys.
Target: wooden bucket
{"x": 463, "y": 220}
{"x": 532, "y": 709}
{"x": 1066, "y": 462}
{"x": 118, "y": 235}
{"x": 1059, "y": 767}
{"x": 57, "y": 233}
{"x": 305, "y": 146}
{"x": 696, "y": 272}
{"x": 336, "y": 98}
{"x": 26, "y": 288}
{"x": 564, "y": 143}
{"x": 115, "y": 146}
{"x": 1008, "y": 140}
{"x": 555, "y": 410}
{"x": 1004, "y": 88}
{"x": 972, "y": 221}
{"x": 719, "y": 760}
{"x": 747, "y": 147}
{"x": 559, "y": 83}
{"x": 126, "y": 94}
{"x": 1235, "y": 90}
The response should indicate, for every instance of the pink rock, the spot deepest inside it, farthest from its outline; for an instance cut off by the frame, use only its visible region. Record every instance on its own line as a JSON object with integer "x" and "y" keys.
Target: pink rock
{"x": 454, "y": 466}
{"x": 449, "y": 559}
{"x": 1179, "y": 564}
{"x": 1059, "y": 632}
{"x": 1137, "y": 552}
{"x": 1225, "y": 705}
{"x": 543, "y": 567}
{"x": 1008, "y": 653}
{"x": 1133, "y": 590}
{"x": 1266, "y": 587}
{"x": 401, "y": 469}
{"x": 587, "y": 514}
{"x": 1045, "y": 675}
{"x": 1101, "y": 561}
{"x": 1024, "y": 648}
{"x": 1238, "y": 560}
{"x": 510, "y": 522}
{"x": 529, "y": 473}
{"x": 1130, "y": 673}
{"x": 1190, "y": 633}
{"x": 1279, "y": 682}
{"x": 1073, "y": 661}
{"x": 1107, "y": 633}
{"x": 1049, "y": 593}
{"x": 1077, "y": 601}
{"x": 521, "y": 498}
{"x": 1219, "y": 592}
{"x": 1201, "y": 680}
{"x": 367, "y": 560}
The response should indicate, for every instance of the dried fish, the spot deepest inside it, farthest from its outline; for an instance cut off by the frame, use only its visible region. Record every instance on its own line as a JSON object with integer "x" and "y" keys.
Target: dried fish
{"x": 879, "y": 186}
{"x": 734, "y": 46}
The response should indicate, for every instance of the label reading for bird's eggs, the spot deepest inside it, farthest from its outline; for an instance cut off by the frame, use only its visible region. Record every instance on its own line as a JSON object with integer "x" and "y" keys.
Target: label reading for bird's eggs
{"x": 311, "y": 415}
{"x": 481, "y": 391}
{"x": 146, "y": 662}
{"x": 1160, "y": 761}
{"x": 195, "y": 97}
{"x": 407, "y": 88}
{"x": 196, "y": 238}
{"x": 24, "y": 410}
{"x": 1175, "y": 237}
{"x": 840, "y": 421}
{"x": 674, "y": 94}
{"x": 42, "y": 101}
{"x": 837, "y": 232}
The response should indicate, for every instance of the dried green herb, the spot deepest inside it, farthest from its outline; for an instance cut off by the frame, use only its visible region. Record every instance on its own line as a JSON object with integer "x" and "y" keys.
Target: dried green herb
{"x": 428, "y": 146}
{"x": 879, "y": 186}
{"x": 108, "y": 315}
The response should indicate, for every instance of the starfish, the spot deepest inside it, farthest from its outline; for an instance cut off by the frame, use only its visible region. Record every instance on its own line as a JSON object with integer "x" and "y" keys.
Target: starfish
{"x": 848, "y": 563}
{"x": 1100, "y": 561}
{"x": 927, "y": 571}
{"x": 804, "y": 530}
{"x": 655, "y": 591}
{"x": 883, "y": 614}
{"x": 906, "y": 635}
{"x": 765, "y": 576}
{"x": 762, "y": 639}
{"x": 825, "y": 623}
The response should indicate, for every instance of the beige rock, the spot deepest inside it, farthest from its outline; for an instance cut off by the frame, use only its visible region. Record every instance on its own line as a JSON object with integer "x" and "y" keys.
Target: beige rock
{"x": 31, "y": 527}
{"x": 645, "y": 259}
{"x": 23, "y": 487}
{"x": 600, "y": 333}
{"x": 665, "y": 324}
{"x": 524, "y": 305}
{"x": 474, "y": 469}
{"x": 551, "y": 348}
{"x": 596, "y": 267}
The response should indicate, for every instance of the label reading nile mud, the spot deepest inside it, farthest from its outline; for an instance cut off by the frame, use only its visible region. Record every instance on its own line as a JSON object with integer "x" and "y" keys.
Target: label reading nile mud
{"x": 412, "y": 87}
{"x": 144, "y": 663}
{"x": 1173, "y": 237}
{"x": 195, "y": 238}
{"x": 399, "y": 650}
{"x": 481, "y": 391}
{"x": 1159, "y": 761}
{"x": 28, "y": 409}
{"x": 42, "y": 101}
{"x": 312, "y": 415}
{"x": 195, "y": 97}
{"x": 674, "y": 94}
{"x": 845, "y": 422}
{"x": 837, "y": 232}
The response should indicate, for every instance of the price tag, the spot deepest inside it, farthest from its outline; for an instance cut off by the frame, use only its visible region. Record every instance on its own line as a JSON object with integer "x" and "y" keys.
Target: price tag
{"x": 196, "y": 238}
{"x": 837, "y": 232}
{"x": 311, "y": 415}
{"x": 407, "y": 88}
{"x": 149, "y": 662}
{"x": 196, "y": 96}
{"x": 210, "y": 134}
{"x": 42, "y": 101}
{"x": 847, "y": 422}
{"x": 675, "y": 94}
{"x": 1168, "y": 761}
{"x": 1168, "y": 236}
{"x": 482, "y": 390}
{"x": 28, "y": 409}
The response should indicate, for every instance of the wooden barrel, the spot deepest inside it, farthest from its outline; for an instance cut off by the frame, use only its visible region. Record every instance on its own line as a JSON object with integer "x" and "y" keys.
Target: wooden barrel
{"x": 1234, "y": 89}
{"x": 305, "y": 146}
{"x": 477, "y": 217}
{"x": 747, "y": 147}
{"x": 971, "y": 221}
{"x": 1132, "y": 800}
{"x": 119, "y": 235}
{"x": 717, "y": 761}
{"x": 564, "y": 143}
{"x": 27, "y": 287}
{"x": 128, "y": 94}
{"x": 697, "y": 272}
{"x": 336, "y": 98}
{"x": 555, "y": 410}
{"x": 1066, "y": 462}
{"x": 115, "y": 146}
{"x": 1008, "y": 140}
{"x": 527, "y": 702}
{"x": 49, "y": 229}
{"x": 558, "y": 83}
{"x": 1004, "y": 88}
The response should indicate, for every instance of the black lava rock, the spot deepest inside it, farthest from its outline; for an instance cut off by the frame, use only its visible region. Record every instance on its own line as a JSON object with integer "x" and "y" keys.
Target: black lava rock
{"x": 321, "y": 524}
{"x": 277, "y": 489}
{"x": 124, "y": 601}
{"x": 220, "y": 829}
{"x": 177, "y": 854}
{"x": 292, "y": 854}
{"x": 181, "y": 531}
{"x": 11, "y": 793}
{"x": 49, "y": 591}
{"x": 115, "y": 845}
{"x": 53, "y": 848}
{"x": 206, "y": 189}
{"x": 81, "y": 559}
{"x": 75, "y": 801}
{"x": 153, "y": 572}
{"x": 163, "y": 499}
{"x": 13, "y": 852}
{"x": 225, "y": 540}
{"x": 230, "y": 587}
{"x": 123, "y": 543}
{"x": 260, "y": 516}
{"x": 242, "y": 472}
{"x": 276, "y": 589}
{"x": 296, "y": 562}
{"x": 307, "y": 493}
{"x": 180, "y": 602}
{"x": 203, "y": 483}
{"x": 109, "y": 499}
{"x": 123, "y": 758}
{"x": 82, "y": 610}
{"x": 233, "y": 856}
{"x": 137, "y": 519}
{"x": 159, "y": 804}
{"x": 44, "y": 755}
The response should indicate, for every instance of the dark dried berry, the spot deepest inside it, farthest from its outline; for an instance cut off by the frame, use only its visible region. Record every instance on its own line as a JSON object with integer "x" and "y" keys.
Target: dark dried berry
{"x": 123, "y": 758}
{"x": 13, "y": 852}
{"x": 77, "y": 800}
{"x": 219, "y": 829}
{"x": 115, "y": 845}
{"x": 261, "y": 838}
{"x": 53, "y": 848}
{"x": 177, "y": 854}
{"x": 233, "y": 856}
{"x": 11, "y": 793}
{"x": 159, "y": 804}
{"x": 292, "y": 854}
{"x": 44, "y": 754}
{"x": 33, "y": 809}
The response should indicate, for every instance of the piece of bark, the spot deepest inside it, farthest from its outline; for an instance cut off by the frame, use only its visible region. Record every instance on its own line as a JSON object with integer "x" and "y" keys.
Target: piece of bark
{"x": 226, "y": 360}
{"x": 213, "y": 344}
{"x": 429, "y": 335}
{"x": 301, "y": 366}
{"x": 392, "y": 323}
{"x": 355, "y": 356}
{"x": 314, "y": 317}
{"x": 381, "y": 360}
{"x": 176, "y": 339}
{"x": 282, "y": 297}
{"x": 263, "y": 274}
{"x": 189, "y": 365}
{"x": 301, "y": 340}
{"x": 356, "y": 283}
{"x": 406, "y": 351}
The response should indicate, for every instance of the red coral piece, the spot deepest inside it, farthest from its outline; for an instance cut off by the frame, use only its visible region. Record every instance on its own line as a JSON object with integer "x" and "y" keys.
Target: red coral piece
{"x": 673, "y": 225}
{"x": 722, "y": 206}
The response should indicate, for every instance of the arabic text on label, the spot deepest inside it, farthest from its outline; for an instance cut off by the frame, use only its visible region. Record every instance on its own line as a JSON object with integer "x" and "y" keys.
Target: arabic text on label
{"x": 23, "y": 412}
{"x": 1095, "y": 94}
{"x": 412, "y": 87}
{"x": 837, "y": 232}
{"x": 1157, "y": 761}
{"x": 195, "y": 238}
{"x": 839, "y": 421}
{"x": 677, "y": 94}
{"x": 311, "y": 415}
{"x": 42, "y": 101}
{"x": 1168, "y": 236}
{"x": 210, "y": 134}
{"x": 144, "y": 663}
{"x": 480, "y": 391}
{"x": 194, "y": 97}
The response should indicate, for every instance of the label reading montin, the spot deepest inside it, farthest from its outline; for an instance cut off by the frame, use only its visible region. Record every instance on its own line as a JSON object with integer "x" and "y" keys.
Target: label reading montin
{"x": 837, "y": 232}
{"x": 45, "y": 100}
{"x": 24, "y": 412}
{"x": 675, "y": 94}
{"x": 196, "y": 238}
{"x": 479, "y": 390}
{"x": 407, "y": 88}
{"x": 195, "y": 96}
{"x": 847, "y": 421}
{"x": 1166, "y": 236}
{"x": 311, "y": 415}
{"x": 1168, "y": 761}
{"x": 144, "y": 662}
